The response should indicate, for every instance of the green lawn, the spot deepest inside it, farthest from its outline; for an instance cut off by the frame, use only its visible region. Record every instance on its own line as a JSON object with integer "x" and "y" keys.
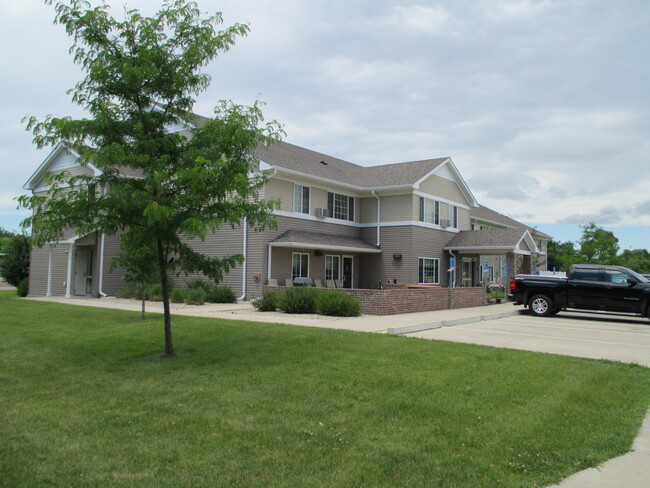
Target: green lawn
{"x": 88, "y": 400}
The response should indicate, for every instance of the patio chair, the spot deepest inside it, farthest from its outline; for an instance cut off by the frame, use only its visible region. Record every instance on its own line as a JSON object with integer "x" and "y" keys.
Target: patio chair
{"x": 273, "y": 282}
{"x": 330, "y": 284}
{"x": 318, "y": 283}
{"x": 339, "y": 283}
{"x": 288, "y": 282}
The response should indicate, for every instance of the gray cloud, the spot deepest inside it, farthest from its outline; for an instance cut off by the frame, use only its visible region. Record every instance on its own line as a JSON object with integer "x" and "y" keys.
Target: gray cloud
{"x": 541, "y": 105}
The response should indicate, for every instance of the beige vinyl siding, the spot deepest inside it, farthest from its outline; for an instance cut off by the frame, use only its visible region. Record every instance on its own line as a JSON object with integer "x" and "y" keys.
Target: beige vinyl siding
{"x": 376, "y": 267}
{"x": 367, "y": 213}
{"x": 70, "y": 172}
{"x": 429, "y": 243}
{"x": 281, "y": 190}
{"x": 113, "y": 278}
{"x": 396, "y": 208}
{"x": 443, "y": 188}
{"x": 38, "y": 270}
{"x": 464, "y": 219}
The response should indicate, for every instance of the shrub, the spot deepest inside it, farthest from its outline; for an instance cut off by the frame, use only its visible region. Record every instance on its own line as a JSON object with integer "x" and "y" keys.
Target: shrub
{"x": 195, "y": 296}
{"x": 301, "y": 299}
{"x": 220, "y": 294}
{"x": 268, "y": 302}
{"x": 23, "y": 287}
{"x": 14, "y": 267}
{"x": 198, "y": 283}
{"x": 153, "y": 292}
{"x": 338, "y": 304}
{"x": 177, "y": 295}
{"x": 127, "y": 292}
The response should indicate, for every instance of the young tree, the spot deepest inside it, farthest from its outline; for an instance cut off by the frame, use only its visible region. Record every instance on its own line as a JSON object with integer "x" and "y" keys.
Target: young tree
{"x": 141, "y": 77}
{"x": 561, "y": 255}
{"x": 597, "y": 245}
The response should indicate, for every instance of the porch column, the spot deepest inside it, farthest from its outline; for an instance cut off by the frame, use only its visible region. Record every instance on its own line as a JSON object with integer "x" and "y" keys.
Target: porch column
{"x": 268, "y": 270}
{"x": 69, "y": 275}
{"x": 49, "y": 272}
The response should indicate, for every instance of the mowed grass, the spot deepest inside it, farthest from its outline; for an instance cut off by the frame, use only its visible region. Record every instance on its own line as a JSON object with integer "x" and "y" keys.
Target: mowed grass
{"x": 88, "y": 400}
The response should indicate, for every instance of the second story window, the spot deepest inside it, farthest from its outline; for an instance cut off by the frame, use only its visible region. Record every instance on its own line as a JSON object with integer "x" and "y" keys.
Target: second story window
{"x": 340, "y": 206}
{"x": 453, "y": 216}
{"x": 429, "y": 211}
{"x": 301, "y": 199}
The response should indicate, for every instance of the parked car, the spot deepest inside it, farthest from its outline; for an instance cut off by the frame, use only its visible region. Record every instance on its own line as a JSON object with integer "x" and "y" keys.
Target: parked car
{"x": 587, "y": 287}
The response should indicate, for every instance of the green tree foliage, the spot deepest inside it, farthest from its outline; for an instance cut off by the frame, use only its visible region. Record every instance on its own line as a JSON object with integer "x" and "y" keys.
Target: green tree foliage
{"x": 141, "y": 78}
{"x": 636, "y": 259}
{"x": 597, "y": 245}
{"x": 14, "y": 266}
{"x": 561, "y": 255}
{"x": 5, "y": 239}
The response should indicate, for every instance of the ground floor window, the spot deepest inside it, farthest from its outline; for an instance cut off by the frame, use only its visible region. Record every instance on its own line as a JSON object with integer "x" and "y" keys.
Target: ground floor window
{"x": 299, "y": 265}
{"x": 489, "y": 274}
{"x": 332, "y": 267}
{"x": 428, "y": 271}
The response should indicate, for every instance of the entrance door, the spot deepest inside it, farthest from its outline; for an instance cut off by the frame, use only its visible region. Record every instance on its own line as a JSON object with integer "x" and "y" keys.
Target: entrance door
{"x": 348, "y": 262}
{"x": 468, "y": 269}
{"x": 84, "y": 271}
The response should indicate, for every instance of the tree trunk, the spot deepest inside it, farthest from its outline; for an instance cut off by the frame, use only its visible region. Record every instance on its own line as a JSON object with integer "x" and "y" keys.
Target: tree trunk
{"x": 162, "y": 261}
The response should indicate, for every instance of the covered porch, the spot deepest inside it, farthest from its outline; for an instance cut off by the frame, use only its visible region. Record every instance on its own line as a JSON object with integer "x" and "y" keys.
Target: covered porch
{"x": 492, "y": 256}
{"x": 330, "y": 260}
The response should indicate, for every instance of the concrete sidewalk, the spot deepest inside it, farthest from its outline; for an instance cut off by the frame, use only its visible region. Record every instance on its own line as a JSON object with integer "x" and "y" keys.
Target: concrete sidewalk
{"x": 631, "y": 470}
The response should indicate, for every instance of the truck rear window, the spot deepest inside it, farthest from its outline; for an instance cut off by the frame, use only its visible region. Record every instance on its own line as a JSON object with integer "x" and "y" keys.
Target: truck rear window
{"x": 586, "y": 275}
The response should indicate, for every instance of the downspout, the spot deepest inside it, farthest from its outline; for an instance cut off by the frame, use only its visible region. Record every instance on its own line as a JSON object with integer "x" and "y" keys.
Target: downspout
{"x": 102, "y": 247}
{"x": 374, "y": 194}
{"x": 101, "y": 267}
{"x": 243, "y": 296}
{"x": 69, "y": 273}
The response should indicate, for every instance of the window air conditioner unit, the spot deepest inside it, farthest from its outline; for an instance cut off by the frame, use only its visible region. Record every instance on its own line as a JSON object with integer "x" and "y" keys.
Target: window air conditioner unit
{"x": 322, "y": 212}
{"x": 444, "y": 223}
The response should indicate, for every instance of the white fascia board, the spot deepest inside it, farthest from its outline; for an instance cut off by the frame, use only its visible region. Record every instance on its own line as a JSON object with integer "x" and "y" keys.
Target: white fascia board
{"x": 529, "y": 240}
{"x": 492, "y": 222}
{"x": 482, "y": 248}
{"x": 464, "y": 187}
{"x": 42, "y": 169}
{"x": 324, "y": 247}
{"x": 398, "y": 223}
{"x": 443, "y": 200}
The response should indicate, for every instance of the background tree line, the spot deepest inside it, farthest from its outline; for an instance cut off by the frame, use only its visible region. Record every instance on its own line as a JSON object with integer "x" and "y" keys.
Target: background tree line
{"x": 595, "y": 246}
{"x": 14, "y": 257}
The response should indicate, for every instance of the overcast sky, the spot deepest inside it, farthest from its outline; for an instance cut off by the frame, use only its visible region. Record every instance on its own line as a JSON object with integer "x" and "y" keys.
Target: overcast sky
{"x": 542, "y": 105}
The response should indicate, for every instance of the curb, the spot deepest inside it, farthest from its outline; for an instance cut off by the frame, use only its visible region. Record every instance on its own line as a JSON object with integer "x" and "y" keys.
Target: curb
{"x": 409, "y": 329}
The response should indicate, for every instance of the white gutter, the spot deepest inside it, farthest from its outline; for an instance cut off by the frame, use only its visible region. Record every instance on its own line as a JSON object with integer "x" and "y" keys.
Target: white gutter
{"x": 374, "y": 194}
{"x": 69, "y": 273}
{"x": 243, "y": 297}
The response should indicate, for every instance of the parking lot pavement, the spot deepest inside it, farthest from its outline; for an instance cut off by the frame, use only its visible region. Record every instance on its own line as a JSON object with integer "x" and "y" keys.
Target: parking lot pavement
{"x": 596, "y": 336}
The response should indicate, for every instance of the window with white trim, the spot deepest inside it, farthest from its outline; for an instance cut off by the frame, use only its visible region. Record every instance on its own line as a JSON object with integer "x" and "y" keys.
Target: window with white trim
{"x": 453, "y": 216}
{"x": 332, "y": 267}
{"x": 299, "y": 265}
{"x": 429, "y": 211}
{"x": 428, "y": 271}
{"x": 340, "y": 206}
{"x": 300, "y": 198}
{"x": 489, "y": 274}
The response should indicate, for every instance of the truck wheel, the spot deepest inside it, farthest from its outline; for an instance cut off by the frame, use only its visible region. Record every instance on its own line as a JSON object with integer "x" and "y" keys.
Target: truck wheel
{"x": 541, "y": 306}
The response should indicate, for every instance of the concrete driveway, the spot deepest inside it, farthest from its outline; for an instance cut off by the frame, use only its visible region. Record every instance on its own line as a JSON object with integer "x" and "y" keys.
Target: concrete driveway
{"x": 619, "y": 338}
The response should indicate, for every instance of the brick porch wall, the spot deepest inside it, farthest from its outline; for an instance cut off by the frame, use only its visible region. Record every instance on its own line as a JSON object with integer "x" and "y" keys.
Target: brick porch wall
{"x": 406, "y": 300}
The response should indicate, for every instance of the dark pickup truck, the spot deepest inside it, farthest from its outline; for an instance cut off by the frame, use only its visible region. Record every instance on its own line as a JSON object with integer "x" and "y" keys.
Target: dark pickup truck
{"x": 587, "y": 287}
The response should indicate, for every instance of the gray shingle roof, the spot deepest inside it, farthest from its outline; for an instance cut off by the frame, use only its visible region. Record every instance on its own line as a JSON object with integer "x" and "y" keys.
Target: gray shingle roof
{"x": 295, "y": 158}
{"x": 312, "y": 239}
{"x": 489, "y": 238}
{"x": 488, "y": 215}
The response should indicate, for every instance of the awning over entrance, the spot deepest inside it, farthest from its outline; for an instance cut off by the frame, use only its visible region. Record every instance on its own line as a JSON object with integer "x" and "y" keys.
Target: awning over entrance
{"x": 493, "y": 241}
{"x": 316, "y": 240}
